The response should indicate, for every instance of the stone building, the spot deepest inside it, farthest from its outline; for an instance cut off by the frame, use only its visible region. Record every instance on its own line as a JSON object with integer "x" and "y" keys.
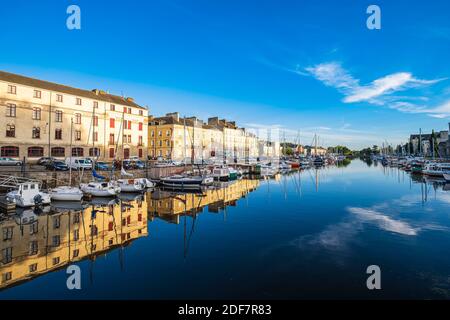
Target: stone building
{"x": 41, "y": 118}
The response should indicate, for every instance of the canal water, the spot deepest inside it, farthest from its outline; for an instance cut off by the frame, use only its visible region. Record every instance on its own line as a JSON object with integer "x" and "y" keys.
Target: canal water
{"x": 301, "y": 235}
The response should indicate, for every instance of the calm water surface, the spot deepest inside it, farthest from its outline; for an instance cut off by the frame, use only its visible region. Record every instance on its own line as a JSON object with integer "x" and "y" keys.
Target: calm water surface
{"x": 303, "y": 235}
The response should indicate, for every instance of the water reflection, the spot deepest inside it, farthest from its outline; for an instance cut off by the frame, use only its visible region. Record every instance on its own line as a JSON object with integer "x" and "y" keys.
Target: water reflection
{"x": 36, "y": 242}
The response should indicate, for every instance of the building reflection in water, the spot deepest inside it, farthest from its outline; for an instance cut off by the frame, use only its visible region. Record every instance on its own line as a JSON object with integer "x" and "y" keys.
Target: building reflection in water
{"x": 37, "y": 242}
{"x": 34, "y": 243}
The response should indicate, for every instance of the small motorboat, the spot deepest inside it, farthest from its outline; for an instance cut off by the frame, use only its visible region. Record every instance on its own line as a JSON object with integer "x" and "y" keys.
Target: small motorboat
{"x": 27, "y": 195}
{"x": 437, "y": 169}
{"x": 186, "y": 182}
{"x": 130, "y": 185}
{"x": 66, "y": 193}
{"x": 100, "y": 189}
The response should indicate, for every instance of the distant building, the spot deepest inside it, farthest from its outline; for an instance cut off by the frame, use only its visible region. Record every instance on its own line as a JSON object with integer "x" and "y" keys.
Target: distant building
{"x": 423, "y": 144}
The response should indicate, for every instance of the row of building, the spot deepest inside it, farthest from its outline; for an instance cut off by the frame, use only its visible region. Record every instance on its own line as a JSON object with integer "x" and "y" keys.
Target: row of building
{"x": 42, "y": 118}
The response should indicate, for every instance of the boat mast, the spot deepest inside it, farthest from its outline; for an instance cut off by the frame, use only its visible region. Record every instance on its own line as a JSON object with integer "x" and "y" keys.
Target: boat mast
{"x": 70, "y": 161}
{"x": 184, "y": 137}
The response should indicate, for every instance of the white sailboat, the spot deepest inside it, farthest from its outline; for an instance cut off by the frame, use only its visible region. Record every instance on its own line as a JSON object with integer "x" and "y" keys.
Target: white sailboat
{"x": 67, "y": 193}
{"x": 130, "y": 185}
{"x": 100, "y": 189}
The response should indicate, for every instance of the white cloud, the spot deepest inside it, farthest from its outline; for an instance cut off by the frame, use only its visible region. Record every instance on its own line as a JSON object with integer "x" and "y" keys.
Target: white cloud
{"x": 383, "y": 221}
{"x": 378, "y": 92}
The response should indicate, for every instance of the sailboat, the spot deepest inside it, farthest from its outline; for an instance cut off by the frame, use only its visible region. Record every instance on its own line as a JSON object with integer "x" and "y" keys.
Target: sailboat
{"x": 186, "y": 182}
{"x": 67, "y": 193}
{"x": 130, "y": 185}
{"x": 100, "y": 188}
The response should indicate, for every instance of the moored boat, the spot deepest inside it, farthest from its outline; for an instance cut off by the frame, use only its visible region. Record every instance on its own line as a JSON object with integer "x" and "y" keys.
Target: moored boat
{"x": 28, "y": 194}
{"x": 66, "y": 193}
{"x": 186, "y": 182}
{"x": 100, "y": 189}
{"x": 130, "y": 185}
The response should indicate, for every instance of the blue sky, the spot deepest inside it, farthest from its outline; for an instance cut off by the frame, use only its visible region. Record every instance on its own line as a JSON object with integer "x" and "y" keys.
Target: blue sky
{"x": 308, "y": 66}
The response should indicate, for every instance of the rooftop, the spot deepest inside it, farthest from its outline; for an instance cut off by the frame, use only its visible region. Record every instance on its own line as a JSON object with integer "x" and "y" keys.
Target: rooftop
{"x": 95, "y": 94}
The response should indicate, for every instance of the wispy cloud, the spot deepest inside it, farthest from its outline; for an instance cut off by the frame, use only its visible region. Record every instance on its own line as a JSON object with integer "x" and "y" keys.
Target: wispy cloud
{"x": 380, "y": 91}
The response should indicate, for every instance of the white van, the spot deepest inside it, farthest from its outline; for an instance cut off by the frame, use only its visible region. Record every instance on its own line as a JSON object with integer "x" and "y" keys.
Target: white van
{"x": 79, "y": 163}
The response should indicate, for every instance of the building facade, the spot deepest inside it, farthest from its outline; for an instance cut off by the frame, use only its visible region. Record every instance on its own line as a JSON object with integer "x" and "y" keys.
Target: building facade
{"x": 175, "y": 138}
{"x": 42, "y": 118}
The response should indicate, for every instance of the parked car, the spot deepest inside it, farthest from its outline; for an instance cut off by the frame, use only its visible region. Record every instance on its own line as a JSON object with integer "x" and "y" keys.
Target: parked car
{"x": 133, "y": 164}
{"x": 79, "y": 163}
{"x": 9, "y": 162}
{"x": 44, "y": 160}
{"x": 57, "y": 165}
{"x": 101, "y": 166}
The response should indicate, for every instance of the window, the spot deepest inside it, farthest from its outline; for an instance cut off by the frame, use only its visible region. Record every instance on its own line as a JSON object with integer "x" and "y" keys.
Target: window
{"x": 35, "y": 134}
{"x": 56, "y": 222}
{"x": 58, "y": 116}
{"x": 111, "y": 138}
{"x": 152, "y": 133}
{"x": 124, "y": 109}
{"x": 129, "y": 125}
{"x": 78, "y": 118}
{"x": 34, "y": 247}
{"x": 129, "y": 110}
{"x": 110, "y": 226}
{"x": 76, "y": 217}
{"x": 12, "y": 89}
{"x": 10, "y": 130}
{"x": 76, "y": 235}
{"x": 77, "y": 152}
{"x": 112, "y": 123}
{"x": 141, "y": 113}
{"x": 95, "y": 104}
{"x": 33, "y": 267}
{"x": 34, "y": 227}
{"x": 140, "y": 153}
{"x": 7, "y": 255}
{"x": 37, "y": 94}
{"x": 95, "y": 136}
{"x": 140, "y": 141}
{"x": 58, "y": 152}
{"x": 10, "y": 151}
{"x": 94, "y": 230}
{"x": 10, "y": 110}
{"x": 160, "y": 133}
{"x": 78, "y": 102}
{"x": 7, "y": 233}
{"x": 56, "y": 241}
{"x": 167, "y": 143}
{"x": 94, "y": 152}
{"x": 77, "y": 135}
{"x": 112, "y": 107}
{"x": 168, "y": 133}
{"x": 126, "y": 153}
{"x": 140, "y": 126}
{"x": 58, "y": 134}
{"x": 95, "y": 121}
{"x": 76, "y": 253}
{"x": 34, "y": 152}
{"x": 129, "y": 138}
{"x": 111, "y": 153}
{"x": 36, "y": 113}
{"x": 59, "y": 98}
{"x": 125, "y": 124}
{"x": 55, "y": 261}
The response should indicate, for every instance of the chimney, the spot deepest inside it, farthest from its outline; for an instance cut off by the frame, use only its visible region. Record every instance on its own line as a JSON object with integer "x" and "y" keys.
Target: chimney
{"x": 96, "y": 91}
{"x": 213, "y": 121}
{"x": 174, "y": 115}
{"x": 130, "y": 99}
